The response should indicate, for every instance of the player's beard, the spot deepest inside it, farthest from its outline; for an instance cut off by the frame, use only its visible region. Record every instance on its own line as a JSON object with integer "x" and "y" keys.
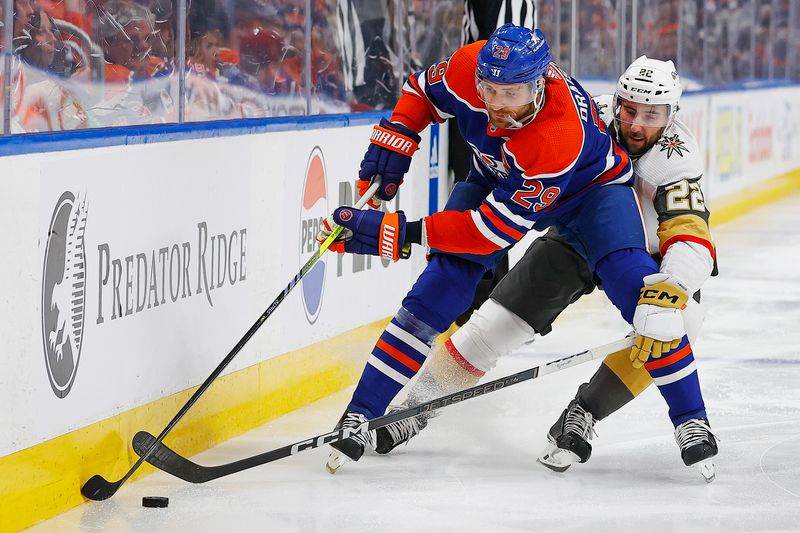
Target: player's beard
{"x": 501, "y": 118}
{"x": 637, "y": 143}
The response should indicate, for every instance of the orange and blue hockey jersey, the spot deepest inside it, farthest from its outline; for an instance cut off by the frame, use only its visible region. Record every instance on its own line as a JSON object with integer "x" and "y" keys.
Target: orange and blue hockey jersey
{"x": 535, "y": 172}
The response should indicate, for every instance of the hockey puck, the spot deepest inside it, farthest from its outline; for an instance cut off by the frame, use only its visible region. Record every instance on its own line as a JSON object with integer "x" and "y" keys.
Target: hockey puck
{"x": 155, "y": 501}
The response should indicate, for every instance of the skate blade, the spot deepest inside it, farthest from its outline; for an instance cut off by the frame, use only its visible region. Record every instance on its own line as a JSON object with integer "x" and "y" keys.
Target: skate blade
{"x": 556, "y": 459}
{"x": 706, "y": 469}
{"x": 335, "y": 461}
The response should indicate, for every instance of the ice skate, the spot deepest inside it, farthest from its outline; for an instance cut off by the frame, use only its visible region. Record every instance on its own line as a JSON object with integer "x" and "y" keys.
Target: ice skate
{"x": 568, "y": 438}
{"x": 393, "y": 435}
{"x": 698, "y": 446}
{"x": 350, "y": 449}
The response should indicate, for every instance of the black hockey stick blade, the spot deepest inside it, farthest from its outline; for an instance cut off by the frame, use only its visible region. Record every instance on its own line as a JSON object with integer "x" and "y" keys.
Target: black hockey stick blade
{"x": 97, "y": 487}
{"x": 163, "y": 458}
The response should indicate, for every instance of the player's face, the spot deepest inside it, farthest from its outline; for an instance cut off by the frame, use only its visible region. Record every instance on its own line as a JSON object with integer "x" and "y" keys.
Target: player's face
{"x": 641, "y": 125}
{"x": 505, "y": 101}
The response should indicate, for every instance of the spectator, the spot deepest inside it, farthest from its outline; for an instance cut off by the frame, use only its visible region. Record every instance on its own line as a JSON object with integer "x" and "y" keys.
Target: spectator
{"x": 262, "y": 57}
{"x": 126, "y": 31}
{"x": 23, "y": 17}
{"x": 40, "y": 48}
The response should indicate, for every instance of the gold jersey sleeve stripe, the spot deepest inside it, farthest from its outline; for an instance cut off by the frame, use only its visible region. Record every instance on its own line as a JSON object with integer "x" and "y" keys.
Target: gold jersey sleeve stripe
{"x": 690, "y": 228}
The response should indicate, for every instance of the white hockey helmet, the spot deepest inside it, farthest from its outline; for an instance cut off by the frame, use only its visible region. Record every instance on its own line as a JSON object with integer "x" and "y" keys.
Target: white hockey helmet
{"x": 650, "y": 81}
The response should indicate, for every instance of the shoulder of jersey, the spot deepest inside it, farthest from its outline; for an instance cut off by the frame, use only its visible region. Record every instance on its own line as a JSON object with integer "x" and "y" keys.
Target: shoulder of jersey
{"x": 557, "y": 132}
{"x": 460, "y": 75}
{"x": 675, "y": 156}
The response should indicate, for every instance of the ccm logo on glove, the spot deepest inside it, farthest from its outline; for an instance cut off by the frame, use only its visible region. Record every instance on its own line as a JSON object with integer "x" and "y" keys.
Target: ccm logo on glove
{"x": 664, "y": 295}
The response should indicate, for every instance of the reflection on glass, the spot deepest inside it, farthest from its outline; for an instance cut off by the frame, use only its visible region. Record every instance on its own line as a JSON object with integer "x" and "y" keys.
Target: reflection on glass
{"x": 3, "y": 127}
{"x": 690, "y": 48}
{"x": 793, "y": 54}
{"x": 657, "y": 29}
{"x": 245, "y": 59}
{"x": 359, "y": 54}
{"x": 92, "y": 64}
{"x": 100, "y": 63}
{"x": 729, "y": 54}
{"x": 598, "y": 32}
{"x": 555, "y": 20}
{"x": 780, "y": 39}
{"x": 434, "y": 32}
{"x": 762, "y": 51}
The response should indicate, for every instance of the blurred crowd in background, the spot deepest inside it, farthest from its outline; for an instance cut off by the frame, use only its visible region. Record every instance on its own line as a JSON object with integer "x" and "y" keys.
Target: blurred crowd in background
{"x": 713, "y": 42}
{"x": 93, "y": 63}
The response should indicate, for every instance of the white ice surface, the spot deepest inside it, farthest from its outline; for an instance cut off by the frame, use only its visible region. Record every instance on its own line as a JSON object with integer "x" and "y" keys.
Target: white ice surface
{"x": 474, "y": 467}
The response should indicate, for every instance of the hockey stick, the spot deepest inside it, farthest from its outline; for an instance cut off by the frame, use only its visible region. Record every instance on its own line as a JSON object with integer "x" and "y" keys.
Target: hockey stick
{"x": 163, "y": 458}
{"x": 97, "y": 487}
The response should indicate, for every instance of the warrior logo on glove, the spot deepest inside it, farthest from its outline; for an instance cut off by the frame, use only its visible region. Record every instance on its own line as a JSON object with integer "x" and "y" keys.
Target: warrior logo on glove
{"x": 388, "y": 156}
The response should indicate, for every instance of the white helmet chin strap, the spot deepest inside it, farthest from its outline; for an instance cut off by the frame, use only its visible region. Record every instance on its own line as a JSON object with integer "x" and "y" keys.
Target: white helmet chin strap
{"x": 538, "y": 103}
{"x": 515, "y": 124}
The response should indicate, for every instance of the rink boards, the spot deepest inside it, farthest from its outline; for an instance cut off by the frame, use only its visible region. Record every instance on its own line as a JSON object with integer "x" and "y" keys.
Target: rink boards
{"x": 133, "y": 266}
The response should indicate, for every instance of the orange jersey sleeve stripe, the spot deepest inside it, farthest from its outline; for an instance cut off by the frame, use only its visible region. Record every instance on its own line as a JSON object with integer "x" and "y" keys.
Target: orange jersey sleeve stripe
{"x": 418, "y": 88}
{"x": 460, "y": 76}
{"x": 499, "y": 223}
{"x": 614, "y": 172}
{"x": 414, "y": 109}
{"x": 455, "y": 232}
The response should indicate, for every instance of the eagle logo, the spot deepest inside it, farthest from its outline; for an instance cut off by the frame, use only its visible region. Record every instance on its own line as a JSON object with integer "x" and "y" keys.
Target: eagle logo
{"x": 673, "y": 145}
{"x": 63, "y": 292}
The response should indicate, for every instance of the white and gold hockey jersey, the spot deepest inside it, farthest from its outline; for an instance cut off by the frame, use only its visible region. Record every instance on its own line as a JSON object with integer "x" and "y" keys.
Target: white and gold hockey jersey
{"x": 668, "y": 183}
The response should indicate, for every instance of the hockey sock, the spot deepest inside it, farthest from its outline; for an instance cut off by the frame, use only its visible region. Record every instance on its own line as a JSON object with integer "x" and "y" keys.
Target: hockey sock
{"x": 396, "y": 358}
{"x": 675, "y": 375}
{"x": 614, "y": 384}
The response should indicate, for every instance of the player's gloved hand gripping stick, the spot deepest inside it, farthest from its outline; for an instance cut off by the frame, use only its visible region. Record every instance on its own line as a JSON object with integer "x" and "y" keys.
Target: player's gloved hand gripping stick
{"x": 98, "y": 488}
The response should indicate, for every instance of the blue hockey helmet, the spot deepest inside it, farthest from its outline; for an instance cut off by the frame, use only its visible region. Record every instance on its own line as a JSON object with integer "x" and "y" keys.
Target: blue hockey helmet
{"x": 514, "y": 54}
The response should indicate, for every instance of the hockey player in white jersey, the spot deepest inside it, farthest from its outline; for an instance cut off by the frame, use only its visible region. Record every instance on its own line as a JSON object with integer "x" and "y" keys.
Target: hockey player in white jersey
{"x": 551, "y": 276}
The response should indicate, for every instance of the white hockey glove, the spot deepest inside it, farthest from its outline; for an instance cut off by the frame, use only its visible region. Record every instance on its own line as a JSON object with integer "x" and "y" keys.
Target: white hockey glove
{"x": 658, "y": 321}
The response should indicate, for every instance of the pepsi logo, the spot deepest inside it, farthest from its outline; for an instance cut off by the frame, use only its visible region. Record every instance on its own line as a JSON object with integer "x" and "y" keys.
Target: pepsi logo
{"x": 313, "y": 210}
